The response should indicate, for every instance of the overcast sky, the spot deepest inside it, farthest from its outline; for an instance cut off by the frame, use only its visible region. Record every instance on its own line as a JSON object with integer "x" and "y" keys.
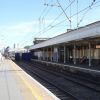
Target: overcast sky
{"x": 23, "y": 20}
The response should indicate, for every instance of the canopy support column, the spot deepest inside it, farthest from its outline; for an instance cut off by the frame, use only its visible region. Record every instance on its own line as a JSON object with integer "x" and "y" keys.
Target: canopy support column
{"x": 74, "y": 54}
{"x": 64, "y": 53}
{"x": 89, "y": 54}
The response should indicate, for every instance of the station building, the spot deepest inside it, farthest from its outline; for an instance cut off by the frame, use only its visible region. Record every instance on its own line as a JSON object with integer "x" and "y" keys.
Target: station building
{"x": 78, "y": 46}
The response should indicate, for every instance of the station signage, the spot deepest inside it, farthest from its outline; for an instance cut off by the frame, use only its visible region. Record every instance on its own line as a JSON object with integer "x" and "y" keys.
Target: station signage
{"x": 97, "y": 46}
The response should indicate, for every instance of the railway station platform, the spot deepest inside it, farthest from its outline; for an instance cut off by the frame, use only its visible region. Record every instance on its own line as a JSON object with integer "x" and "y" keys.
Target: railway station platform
{"x": 93, "y": 70}
{"x": 15, "y": 84}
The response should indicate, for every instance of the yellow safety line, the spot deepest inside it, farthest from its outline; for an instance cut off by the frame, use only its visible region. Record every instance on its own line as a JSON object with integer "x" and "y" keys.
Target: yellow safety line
{"x": 28, "y": 86}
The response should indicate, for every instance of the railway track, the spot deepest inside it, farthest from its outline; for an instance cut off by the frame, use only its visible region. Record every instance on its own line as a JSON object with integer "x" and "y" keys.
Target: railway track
{"x": 94, "y": 85}
{"x": 59, "y": 92}
{"x": 65, "y": 87}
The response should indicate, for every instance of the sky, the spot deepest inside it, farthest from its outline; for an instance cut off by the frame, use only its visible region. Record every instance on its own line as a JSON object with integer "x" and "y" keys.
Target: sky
{"x": 23, "y": 20}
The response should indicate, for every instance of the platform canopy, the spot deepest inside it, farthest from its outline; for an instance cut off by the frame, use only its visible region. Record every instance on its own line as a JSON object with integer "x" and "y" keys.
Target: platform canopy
{"x": 88, "y": 31}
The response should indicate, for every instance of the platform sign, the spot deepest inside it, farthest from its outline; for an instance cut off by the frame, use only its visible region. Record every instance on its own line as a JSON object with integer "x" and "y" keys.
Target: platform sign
{"x": 98, "y": 46}
{"x": 55, "y": 49}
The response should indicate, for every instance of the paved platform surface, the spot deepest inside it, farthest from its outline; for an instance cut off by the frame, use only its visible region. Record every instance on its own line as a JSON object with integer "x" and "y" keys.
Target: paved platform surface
{"x": 15, "y": 84}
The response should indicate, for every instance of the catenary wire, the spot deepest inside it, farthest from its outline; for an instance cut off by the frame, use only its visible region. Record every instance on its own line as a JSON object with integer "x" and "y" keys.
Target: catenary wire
{"x": 71, "y": 16}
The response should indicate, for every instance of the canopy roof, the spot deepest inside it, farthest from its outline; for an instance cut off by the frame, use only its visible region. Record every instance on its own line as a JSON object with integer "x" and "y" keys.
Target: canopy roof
{"x": 88, "y": 31}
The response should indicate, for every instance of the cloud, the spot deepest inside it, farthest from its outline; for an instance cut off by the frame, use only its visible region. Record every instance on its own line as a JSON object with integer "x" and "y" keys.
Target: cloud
{"x": 20, "y": 28}
{"x": 14, "y": 33}
{"x": 20, "y": 31}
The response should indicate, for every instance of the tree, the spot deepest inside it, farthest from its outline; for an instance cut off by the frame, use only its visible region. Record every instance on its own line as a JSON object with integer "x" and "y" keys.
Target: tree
{"x": 27, "y": 47}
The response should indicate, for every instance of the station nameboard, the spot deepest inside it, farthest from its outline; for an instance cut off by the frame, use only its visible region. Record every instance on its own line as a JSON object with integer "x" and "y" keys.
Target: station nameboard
{"x": 97, "y": 46}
